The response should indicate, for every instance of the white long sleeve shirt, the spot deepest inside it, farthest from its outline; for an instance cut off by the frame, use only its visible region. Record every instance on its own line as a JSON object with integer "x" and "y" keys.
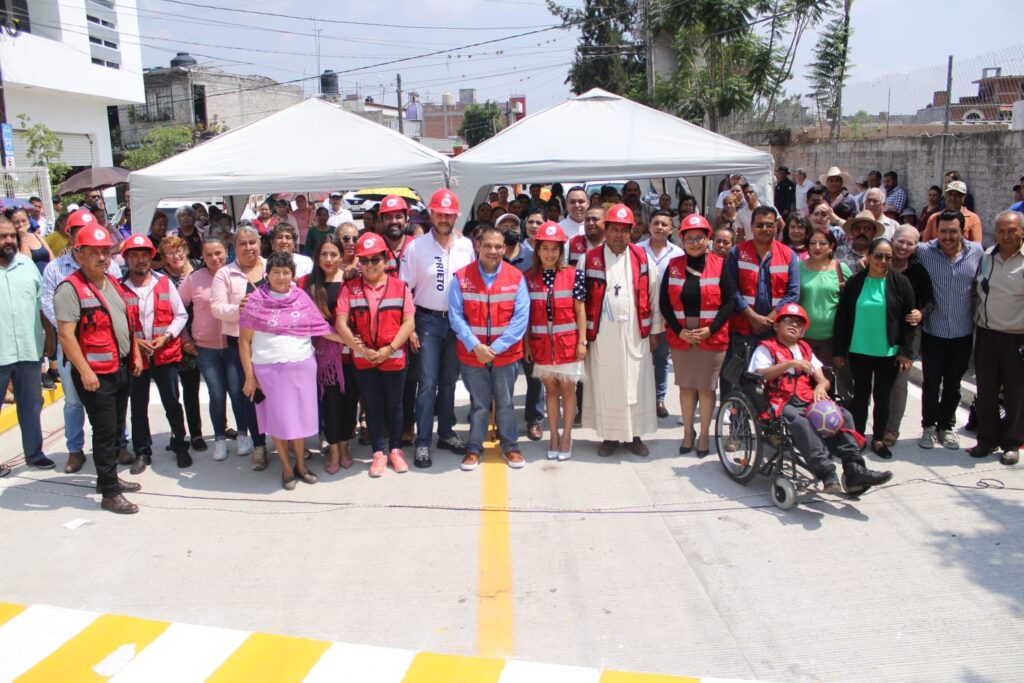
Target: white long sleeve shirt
{"x": 147, "y": 306}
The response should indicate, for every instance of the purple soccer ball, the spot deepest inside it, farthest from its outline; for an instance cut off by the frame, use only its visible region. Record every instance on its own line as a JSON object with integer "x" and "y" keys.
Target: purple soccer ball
{"x": 825, "y": 418}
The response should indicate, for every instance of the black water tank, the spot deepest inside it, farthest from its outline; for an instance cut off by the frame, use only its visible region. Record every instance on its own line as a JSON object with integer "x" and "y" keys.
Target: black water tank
{"x": 329, "y": 83}
{"x": 183, "y": 59}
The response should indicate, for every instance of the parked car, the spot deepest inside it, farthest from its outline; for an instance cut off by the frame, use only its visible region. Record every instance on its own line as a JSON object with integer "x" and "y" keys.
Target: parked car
{"x": 360, "y": 201}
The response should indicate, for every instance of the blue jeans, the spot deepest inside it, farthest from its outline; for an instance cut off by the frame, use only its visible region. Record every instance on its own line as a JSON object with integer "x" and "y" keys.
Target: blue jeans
{"x": 28, "y": 401}
{"x": 438, "y": 371}
{"x": 222, "y": 380}
{"x": 488, "y": 384}
{"x": 74, "y": 412}
{"x": 533, "y": 409}
{"x": 248, "y": 424}
{"x": 660, "y": 357}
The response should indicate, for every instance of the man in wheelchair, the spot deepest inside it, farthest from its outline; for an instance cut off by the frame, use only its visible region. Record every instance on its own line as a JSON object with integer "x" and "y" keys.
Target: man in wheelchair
{"x": 793, "y": 381}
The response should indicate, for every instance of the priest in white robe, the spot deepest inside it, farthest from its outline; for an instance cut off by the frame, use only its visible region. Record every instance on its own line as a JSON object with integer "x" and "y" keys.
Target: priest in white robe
{"x": 619, "y": 392}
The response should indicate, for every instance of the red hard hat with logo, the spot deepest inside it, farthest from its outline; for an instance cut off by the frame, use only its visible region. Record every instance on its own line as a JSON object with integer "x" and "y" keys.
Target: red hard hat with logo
{"x": 619, "y": 213}
{"x": 138, "y": 242}
{"x": 550, "y": 232}
{"x": 795, "y": 310}
{"x": 79, "y": 218}
{"x": 369, "y": 244}
{"x": 93, "y": 235}
{"x": 444, "y": 201}
{"x": 392, "y": 204}
{"x": 695, "y": 222}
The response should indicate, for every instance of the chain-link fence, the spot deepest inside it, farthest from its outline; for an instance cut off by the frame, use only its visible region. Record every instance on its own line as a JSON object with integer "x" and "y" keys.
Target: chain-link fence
{"x": 23, "y": 183}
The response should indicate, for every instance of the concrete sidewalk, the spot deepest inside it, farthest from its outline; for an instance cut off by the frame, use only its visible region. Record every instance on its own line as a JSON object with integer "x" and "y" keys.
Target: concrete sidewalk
{"x": 656, "y": 564}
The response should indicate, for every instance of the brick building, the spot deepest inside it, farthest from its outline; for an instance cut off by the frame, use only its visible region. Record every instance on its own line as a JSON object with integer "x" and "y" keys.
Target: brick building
{"x": 994, "y": 101}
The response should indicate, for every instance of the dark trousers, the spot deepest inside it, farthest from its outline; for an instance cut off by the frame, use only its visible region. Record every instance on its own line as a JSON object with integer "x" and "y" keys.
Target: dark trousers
{"x": 339, "y": 409}
{"x": 249, "y": 424}
{"x": 107, "y": 409}
{"x": 166, "y": 378}
{"x": 999, "y": 366}
{"x": 412, "y": 371}
{"x": 813, "y": 449}
{"x": 873, "y": 377}
{"x": 190, "y": 398}
{"x": 28, "y": 402}
{"x": 533, "y": 408}
{"x": 943, "y": 364}
{"x": 382, "y": 397}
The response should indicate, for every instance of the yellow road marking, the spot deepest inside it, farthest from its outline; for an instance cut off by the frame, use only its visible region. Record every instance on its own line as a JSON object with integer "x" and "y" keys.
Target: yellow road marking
{"x": 427, "y": 667}
{"x": 9, "y": 611}
{"x": 274, "y": 659}
{"x": 75, "y": 659}
{"x": 495, "y": 624}
{"x": 9, "y": 414}
{"x": 627, "y": 677}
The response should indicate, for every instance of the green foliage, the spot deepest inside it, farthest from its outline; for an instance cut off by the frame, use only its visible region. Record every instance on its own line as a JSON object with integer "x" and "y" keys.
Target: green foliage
{"x": 44, "y": 149}
{"x": 479, "y": 122}
{"x": 607, "y": 55}
{"x": 831, "y": 67}
{"x": 159, "y": 144}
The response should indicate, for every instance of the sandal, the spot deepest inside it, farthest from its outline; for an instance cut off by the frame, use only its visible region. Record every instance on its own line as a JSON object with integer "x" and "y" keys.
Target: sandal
{"x": 346, "y": 459}
{"x": 307, "y": 476}
{"x": 332, "y": 468}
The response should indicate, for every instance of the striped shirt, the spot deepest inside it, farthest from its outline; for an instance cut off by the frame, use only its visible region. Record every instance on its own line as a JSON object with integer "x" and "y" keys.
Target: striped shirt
{"x": 953, "y": 286}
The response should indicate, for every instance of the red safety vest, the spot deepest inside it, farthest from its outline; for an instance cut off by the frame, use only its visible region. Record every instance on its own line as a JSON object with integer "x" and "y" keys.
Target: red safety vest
{"x": 749, "y": 268}
{"x": 552, "y": 342}
{"x": 95, "y": 329}
{"x": 389, "y": 320}
{"x": 163, "y": 316}
{"x": 596, "y": 285}
{"x": 395, "y": 257}
{"x": 710, "y": 302}
{"x": 577, "y": 248}
{"x": 489, "y": 310}
{"x": 782, "y": 389}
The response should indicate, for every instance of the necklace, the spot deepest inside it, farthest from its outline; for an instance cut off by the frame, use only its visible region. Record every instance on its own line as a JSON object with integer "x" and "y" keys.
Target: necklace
{"x": 616, "y": 284}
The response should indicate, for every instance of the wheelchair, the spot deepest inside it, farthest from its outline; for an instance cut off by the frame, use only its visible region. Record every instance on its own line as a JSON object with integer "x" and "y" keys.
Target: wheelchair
{"x": 752, "y": 440}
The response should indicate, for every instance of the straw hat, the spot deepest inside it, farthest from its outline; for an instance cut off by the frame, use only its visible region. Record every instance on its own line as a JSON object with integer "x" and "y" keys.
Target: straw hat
{"x": 865, "y": 216}
{"x": 834, "y": 171}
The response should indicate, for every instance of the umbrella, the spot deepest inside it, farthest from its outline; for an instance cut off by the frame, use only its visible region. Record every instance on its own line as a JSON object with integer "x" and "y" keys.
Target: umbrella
{"x": 14, "y": 203}
{"x": 311, "y": 196}
{"x": 379, "y": 193}
{"x": 94, "y": 179}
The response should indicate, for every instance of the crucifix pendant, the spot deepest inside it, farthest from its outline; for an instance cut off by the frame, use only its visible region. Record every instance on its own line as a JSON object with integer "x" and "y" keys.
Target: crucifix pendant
{"x": 617, "y": 288}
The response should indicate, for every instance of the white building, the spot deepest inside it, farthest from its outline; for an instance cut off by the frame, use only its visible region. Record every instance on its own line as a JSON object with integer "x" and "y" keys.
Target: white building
{"x": 66, "y": 66}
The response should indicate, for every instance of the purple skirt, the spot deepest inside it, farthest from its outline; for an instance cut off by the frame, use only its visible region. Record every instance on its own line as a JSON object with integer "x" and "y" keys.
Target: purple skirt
{"x": 290, "y": 410}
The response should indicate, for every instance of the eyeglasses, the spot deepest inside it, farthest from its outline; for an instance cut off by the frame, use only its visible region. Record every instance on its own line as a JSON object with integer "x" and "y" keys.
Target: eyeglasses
{"x": 370, "y": 260}
{"x": 882, "y": 257}
{"x": 698, "y": 239}
{"x": 348, "y": 238}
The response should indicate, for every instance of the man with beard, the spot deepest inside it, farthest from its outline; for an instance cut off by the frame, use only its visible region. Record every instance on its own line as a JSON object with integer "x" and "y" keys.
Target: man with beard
{"x": 428, "y": 266}
{"x": 21, "y": 341}
{"x": 631, "y": 197}
{"x": 860, "y": 230}
{"x": 593, "y": 235}
{"x": 577, "y": 203}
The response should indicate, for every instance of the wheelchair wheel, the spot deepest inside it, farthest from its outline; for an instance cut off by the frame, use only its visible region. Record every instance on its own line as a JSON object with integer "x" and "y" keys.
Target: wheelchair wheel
{"x": 737, "y": 438}
{"x": 783, "y": 493}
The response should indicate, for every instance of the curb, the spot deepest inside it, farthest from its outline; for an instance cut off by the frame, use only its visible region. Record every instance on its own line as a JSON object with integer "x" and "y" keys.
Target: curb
{"x": 9, "y": 413}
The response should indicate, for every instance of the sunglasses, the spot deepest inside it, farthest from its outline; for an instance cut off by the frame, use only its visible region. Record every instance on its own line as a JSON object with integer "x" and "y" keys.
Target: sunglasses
{"x": 370, "y": 260}
{"x": 348, "y": 238}
{"x": 882, "y": 257}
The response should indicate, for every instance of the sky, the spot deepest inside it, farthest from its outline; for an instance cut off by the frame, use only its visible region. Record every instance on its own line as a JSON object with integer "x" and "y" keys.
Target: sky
{"x": 899, "y": 47}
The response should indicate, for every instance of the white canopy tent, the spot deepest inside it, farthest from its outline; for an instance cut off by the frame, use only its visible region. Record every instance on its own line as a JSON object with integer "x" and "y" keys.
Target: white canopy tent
{"x": 310, "y": 146}
{"x": 599, "y": 135}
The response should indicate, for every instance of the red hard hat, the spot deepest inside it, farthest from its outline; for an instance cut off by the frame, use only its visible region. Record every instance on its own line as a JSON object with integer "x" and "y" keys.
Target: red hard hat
{"x": 369, "y": 244}
{"x": 138, "y": 242}
{"x": 619, "y": 213}
{"x": 444, "y": 201}
{"x": 95, "y": 236}
{"x": 392, "y": 204}
{"x": 794, "y": 310}
{"x": 550, "y": 232}
{"x": 695, "y": 222}
{"x": 79, "y": 218}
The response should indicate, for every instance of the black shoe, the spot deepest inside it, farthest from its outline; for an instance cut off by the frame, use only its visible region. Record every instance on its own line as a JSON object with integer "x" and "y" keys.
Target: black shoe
{"x": 124, "y": 486}
{"x": 980, "y": 451}
{"x": 881, "y": 450}
{"x": 184, "y": 459}
{"x": 119, "y": 505}
{"x": 453, "y": 443}
{"x": 859, "y": 477}
{"x": 42, "y": 463}
{"x": 142, "y": 460}
{"x": 199, "y": 444}
{"x": 422, "y": 458}
{"x": 607, "y": 448}
{"x": 48, "y": 382}
{"x": 830, "y": 483}
{"x": 54, "y": 375}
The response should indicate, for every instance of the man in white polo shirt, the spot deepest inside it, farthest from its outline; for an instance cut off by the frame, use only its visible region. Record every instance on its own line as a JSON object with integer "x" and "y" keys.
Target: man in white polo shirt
{"x": 338, "y": 213}
{"x": 428, "y": 265}
{"x": 577, "y": 203}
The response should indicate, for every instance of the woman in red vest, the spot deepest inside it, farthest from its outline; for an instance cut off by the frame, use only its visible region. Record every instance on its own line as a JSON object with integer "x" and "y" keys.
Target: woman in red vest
{"x": 696, "y": 302}
{"x": 556, "y": 338}
{"x": 376, "y": 317}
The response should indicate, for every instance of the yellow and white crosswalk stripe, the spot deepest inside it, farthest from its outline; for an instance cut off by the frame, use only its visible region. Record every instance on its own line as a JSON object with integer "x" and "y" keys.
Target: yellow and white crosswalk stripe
{"x": 50, "y": 644}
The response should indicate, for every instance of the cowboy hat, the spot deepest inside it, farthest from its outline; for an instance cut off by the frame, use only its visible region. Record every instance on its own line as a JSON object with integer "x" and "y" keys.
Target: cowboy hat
{"x": 834, "y": 171}
{"x": 865, "y": 216}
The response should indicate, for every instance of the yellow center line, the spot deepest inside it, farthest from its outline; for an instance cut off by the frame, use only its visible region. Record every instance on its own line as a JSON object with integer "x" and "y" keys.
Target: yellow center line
{"x": 428, "y": 667}
{"x": 495, "y": 625}
{"x": 9, "y": 610}
{"x": 269, "y": 658}
{"x": 627, "y": 677}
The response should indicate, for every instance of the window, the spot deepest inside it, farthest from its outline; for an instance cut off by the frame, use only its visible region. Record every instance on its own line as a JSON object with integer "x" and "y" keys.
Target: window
{"x": 159, "y": 104}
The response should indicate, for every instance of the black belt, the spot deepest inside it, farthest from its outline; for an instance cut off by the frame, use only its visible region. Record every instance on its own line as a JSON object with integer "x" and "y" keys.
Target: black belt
{"x": 431, "y": 311}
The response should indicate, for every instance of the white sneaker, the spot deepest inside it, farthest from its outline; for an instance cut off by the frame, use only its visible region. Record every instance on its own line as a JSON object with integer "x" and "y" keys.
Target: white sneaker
{"x": 928, "y": 438}
{"x": 949, "y": 439}
{"x": 220, "y": 450}
{"x": 244, "y": 444}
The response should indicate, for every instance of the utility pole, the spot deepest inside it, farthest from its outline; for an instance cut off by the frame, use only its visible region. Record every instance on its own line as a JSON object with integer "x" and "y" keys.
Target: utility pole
{"x": 401, "y": 120}
{"x": 648, "y": 48}
{"x": 319, "y": 84}
{"x": 945, "y": 123}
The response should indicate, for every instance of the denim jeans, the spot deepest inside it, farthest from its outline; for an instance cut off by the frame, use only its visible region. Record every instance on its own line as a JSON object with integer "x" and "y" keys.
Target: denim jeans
{"x": 222, "y": 380}
{"x": 74, "y": 412}
{"x": 28, "y": 401}
{"x": 533, "y": 409}
{"x": 488, "y": 384}
{"x": 438, "y": 371}
{"x": 248, "y": 424}
{"x": 660, "y": 358}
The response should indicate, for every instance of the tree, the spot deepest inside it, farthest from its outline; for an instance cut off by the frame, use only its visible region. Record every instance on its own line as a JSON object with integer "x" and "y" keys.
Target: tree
{"x": 479, "y": 122}
{"x": 831, "y": 67}
{"x": 159, "y": 144}
{"x": 44, "y": 149}
{"x": 607, "y": 55}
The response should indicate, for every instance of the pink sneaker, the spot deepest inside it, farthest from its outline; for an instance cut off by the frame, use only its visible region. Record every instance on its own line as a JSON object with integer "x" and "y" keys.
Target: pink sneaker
{"x": 397, "y": 459}
{"x": 379, "y": 464}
